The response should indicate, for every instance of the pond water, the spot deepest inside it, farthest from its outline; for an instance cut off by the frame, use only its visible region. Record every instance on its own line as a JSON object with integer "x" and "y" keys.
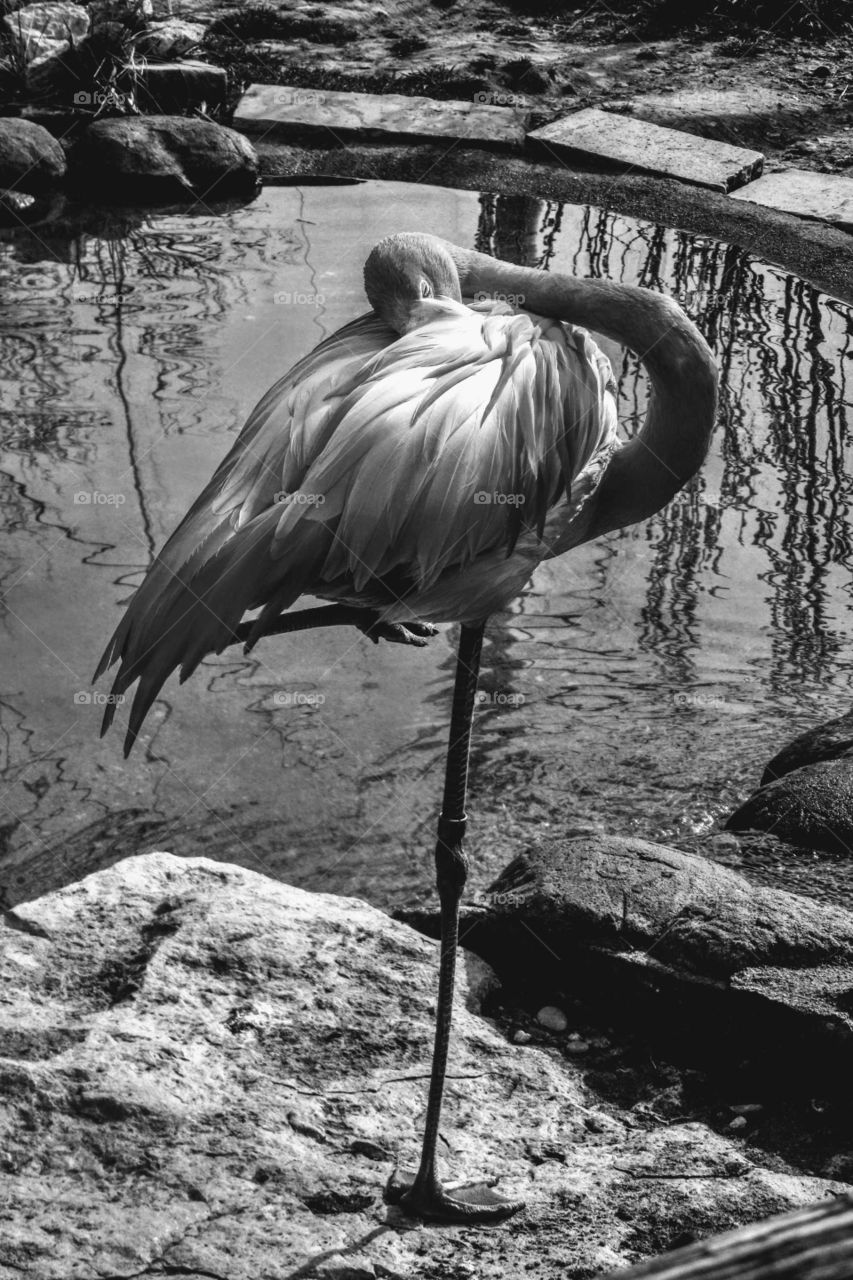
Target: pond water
{"x": 640, "y": 684}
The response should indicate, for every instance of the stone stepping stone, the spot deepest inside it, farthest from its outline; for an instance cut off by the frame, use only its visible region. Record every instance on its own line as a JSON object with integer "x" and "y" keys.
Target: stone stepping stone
{"x": 630, "y": 144}
{"x": 171, "y": 87}
{"x": 286, "y": 112}
{"x": 826, "y": 197}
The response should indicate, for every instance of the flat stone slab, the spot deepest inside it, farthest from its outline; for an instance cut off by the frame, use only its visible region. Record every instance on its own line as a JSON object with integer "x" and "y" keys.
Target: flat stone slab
{"x": 283, "y": 111}
{"x": 171, "y": 86}
{"x": 629, "y": 144}
{"x": 827, "y": 197}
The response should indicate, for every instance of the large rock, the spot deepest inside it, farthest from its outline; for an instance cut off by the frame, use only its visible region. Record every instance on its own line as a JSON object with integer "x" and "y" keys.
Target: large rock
{"x": 207, "y": 1072}
{"x": 827, "y": 741}
{"x": 164, "y": 157}
{"x": 42, "y": 36}
{"x": 629, "y": 893}
{"x": 39, "y": 30}
{"x": 174, "y": 38}
{"x": 685, "y": 951}
{"x": 810, "y": 806}
{"x": 31, "y": 160}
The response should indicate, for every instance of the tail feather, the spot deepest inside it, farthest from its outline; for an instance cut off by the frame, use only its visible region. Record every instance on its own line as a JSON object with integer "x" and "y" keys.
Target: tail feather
{"x": 197, "y": 613}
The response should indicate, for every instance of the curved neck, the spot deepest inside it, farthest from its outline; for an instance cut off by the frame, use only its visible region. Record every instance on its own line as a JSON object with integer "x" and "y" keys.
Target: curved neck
{"x": 672, "y": 444}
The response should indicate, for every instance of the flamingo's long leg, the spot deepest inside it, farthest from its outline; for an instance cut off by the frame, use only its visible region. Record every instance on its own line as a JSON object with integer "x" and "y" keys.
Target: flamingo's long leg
{"x": 426, "y": 1197}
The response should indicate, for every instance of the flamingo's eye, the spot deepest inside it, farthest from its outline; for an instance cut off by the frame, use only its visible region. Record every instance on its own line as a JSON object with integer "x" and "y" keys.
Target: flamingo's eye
{"x": 426, "y": 289}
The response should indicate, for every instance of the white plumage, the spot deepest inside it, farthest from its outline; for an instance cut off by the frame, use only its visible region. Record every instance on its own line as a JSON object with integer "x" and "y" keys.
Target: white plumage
{"x": 360, "y": 477}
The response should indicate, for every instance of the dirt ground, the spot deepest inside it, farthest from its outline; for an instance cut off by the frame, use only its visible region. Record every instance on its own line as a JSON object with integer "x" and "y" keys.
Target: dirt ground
{"x": 790, "y": 97}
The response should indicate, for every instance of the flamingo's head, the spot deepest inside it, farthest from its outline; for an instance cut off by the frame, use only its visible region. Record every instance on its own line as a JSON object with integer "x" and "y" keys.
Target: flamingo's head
{"x": 403, "y": 272}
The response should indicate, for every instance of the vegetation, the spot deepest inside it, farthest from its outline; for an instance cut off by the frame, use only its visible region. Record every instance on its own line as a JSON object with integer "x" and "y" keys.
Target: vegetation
{"x": 96, "y": 74}
{"x": 817, "y": 20}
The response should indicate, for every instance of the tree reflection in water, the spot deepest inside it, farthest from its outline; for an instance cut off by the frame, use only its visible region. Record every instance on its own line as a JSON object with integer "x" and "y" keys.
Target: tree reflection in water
{"x": 659, "y": 667}
{"x": 671, "y": 659}
{"x": 782, "y": 351}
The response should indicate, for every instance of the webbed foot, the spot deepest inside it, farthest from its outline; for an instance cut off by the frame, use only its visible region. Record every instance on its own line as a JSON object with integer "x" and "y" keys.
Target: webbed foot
{"x": 474, "y": 1202}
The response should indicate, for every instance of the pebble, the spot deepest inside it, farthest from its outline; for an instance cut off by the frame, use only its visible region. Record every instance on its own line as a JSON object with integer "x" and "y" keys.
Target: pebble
{"x": 521, "y": 1037}
{"x": 304, "y": 1126}
{"x": 16, "y": 202}
{"x": 738, "y": 1123}
{"x": 552, "y": 1018}
{"x": 747, "y": 1108}
{"x": 576, "y": 1045}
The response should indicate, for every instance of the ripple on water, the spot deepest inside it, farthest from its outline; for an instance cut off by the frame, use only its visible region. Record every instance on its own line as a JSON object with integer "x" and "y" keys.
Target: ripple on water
{"x": 638, "y": 686}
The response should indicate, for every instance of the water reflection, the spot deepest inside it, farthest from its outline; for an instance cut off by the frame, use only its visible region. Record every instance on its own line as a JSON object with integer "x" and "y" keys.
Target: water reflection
{"x": 640, "y": 683}
{"x": 727, "y": 613}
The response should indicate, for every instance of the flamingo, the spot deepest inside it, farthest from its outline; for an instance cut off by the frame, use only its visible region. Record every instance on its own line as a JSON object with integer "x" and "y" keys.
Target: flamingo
{"x": 415, "y": 468}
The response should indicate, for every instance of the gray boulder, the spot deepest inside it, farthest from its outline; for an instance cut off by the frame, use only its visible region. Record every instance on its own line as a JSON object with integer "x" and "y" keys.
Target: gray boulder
{"x": 42, "y": 36}
{"x": 828, "y": 741}
{"x": 164, "y": 157}
{"x": 174, "y": 38}
{"x": 31, "y": 160}
{"x": 39, "y": 30}
{"x": 618, "y": 891}
{"x": 208, "y": 1072}
{"x": 811, "y": 806}
{"x": 683, "y": 951}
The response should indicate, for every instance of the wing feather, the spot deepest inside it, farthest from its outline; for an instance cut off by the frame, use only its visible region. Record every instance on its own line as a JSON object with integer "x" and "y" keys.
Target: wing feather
{"x": 375, "y": 460}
